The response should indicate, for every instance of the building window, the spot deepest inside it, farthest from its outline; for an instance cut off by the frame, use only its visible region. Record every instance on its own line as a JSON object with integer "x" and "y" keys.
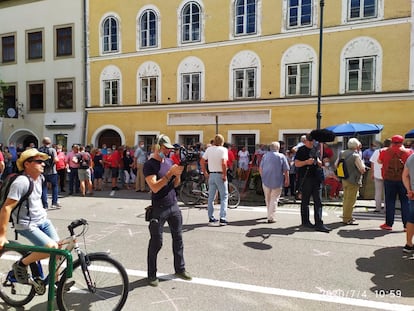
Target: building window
{"x": 35, "y": 45}
{"x": 361, "y": 74}
{"x": 245, "y": 17}
{"x": 299, "y": 13}
{"x": 191, "y": 23}
{"x": 361, "y": 9}
{"x": 148, "y": 29}
{"x": 8, "y": 49}
{"x": 64, "y": 41}
{"x": 190, "y": 86}
{"x": 149, "y": 90}
{"x": 64, "y": 95}
{"x": 36, "y": 96}
{"x": 111, "y": 92}
{"x": 298, "y": 79}
{"x": 245, "y": 83}
{"x": 9, "y": 102}
{"x": 110, "y": 35}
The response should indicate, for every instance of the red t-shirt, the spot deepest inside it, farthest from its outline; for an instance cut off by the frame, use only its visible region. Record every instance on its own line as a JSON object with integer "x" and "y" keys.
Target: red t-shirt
{"x": 385, "y": 156}
{"x": 230, "y": 160}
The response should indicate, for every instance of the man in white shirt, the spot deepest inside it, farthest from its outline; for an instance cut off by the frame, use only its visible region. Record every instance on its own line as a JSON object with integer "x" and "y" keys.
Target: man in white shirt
{"x": 377, "y": 176}
{"x": 216, "y": 157}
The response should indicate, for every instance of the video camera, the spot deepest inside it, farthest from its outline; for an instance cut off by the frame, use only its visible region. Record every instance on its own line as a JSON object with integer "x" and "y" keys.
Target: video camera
{"x": 188, "y": 156}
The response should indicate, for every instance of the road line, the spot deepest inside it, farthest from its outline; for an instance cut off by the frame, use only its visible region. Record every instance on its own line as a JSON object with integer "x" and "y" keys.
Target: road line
{"x": 285, "y": 292}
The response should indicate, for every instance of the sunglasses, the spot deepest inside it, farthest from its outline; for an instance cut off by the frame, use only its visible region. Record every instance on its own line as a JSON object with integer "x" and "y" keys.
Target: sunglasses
{"x": 37, "y": 161}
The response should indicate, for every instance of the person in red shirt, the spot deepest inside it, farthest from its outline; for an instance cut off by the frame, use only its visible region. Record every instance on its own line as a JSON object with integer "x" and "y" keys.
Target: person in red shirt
{"x": 230, "y": 160}
{"x": 114, "y": 159}
{"x": 175, "y": 156}
{"x": 394, "y": 186}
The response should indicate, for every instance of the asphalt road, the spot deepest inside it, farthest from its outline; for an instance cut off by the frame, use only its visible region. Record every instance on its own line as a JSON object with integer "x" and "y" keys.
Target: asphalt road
{"x": 249, "y": 264}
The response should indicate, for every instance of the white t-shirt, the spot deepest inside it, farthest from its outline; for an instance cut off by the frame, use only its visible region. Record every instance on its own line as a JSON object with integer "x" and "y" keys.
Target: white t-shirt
{"x": 377, "y": 166}
{"x": 214, "y": 156}
{"x": 37, "y": 214}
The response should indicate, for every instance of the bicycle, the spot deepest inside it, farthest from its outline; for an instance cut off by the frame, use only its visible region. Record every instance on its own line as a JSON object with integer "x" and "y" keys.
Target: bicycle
{"x": 194, "y": 190}
{"x": 98, "y": 282}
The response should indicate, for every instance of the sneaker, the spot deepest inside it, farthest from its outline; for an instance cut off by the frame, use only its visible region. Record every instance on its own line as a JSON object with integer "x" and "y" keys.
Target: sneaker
{"x": 351, "y": 222}
{"x": 212, "y": 221}
{"x": 408, "y": 249}
{"x": 20, "y": 273}
{"x": 153, "y": 281}
{"x": 385, "y": 227}
{"x": 184, "y": 275}
{"x": 271, "y": 221}
{"x": 223, "y": 222}
{"x": 56, "y": 206}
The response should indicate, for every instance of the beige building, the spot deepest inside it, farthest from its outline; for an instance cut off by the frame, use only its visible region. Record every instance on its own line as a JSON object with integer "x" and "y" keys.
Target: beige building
{"x": 246, "y": 68}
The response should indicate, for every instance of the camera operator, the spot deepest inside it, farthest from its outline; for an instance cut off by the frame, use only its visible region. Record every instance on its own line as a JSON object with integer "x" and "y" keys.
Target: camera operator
{"x": 310, "y": 179}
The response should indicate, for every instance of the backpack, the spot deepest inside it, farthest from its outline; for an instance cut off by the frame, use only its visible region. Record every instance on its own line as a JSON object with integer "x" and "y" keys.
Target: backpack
{"x": 393, "y": 171}
{"x": 341, "y": 169}
{"x": 84, "y": 160}
{"x": 5, "y": 189}
{"x": 50, "y": 161}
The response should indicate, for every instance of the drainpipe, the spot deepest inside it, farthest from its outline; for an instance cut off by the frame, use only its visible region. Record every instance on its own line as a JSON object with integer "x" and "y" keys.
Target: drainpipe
{"x": 85, "y": 73}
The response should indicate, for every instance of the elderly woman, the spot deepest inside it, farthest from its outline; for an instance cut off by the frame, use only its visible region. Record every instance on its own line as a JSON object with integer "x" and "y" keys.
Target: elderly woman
{"x": 356, "y": 168}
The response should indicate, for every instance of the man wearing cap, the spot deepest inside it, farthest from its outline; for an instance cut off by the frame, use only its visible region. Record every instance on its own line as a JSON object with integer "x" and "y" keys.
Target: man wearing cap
{"x": 162, "y": 177}
{"x": 31, "y": 219}
{"x": 392, "y": 177}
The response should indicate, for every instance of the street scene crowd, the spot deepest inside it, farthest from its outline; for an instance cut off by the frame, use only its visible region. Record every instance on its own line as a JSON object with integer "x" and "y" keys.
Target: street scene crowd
{"x": 307, "y": 171}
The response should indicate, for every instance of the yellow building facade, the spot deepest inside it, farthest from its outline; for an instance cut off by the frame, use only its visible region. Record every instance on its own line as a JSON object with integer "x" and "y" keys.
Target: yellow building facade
{"x": 247, "y": 69}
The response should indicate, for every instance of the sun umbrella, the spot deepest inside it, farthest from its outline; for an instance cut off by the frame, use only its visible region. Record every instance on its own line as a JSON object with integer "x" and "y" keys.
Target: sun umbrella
{"x": 410, "y": 134}
{"x": 351, "y": 129}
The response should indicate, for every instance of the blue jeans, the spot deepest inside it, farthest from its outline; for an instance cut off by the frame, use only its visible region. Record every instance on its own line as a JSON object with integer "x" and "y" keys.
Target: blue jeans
{"x": 215, "y": 182}
{"x": 53, "y": 180}
{"x": 42, "y": 235}
{"x": 311, "y": 187}
{"x": 392, "y": 188}
{"x": 159, "y": 216}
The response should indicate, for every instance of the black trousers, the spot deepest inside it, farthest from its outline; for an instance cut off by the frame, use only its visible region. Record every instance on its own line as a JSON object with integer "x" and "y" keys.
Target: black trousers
{"x": 311, "y": 187}
{"x": 172, "y": 215}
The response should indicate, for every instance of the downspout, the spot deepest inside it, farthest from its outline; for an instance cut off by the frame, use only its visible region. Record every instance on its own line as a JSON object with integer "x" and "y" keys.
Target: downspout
{"x": 85, "y": 74}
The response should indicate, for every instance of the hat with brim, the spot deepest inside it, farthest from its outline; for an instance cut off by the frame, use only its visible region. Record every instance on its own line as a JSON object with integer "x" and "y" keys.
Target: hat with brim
{"x": 165, "y": 141}
{"x": 27, "y": 154}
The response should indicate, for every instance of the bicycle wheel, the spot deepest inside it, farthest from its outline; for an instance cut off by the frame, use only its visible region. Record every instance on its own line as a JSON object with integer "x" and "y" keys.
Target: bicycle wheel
{"x": 190, "y": 192}
{"x": 110, "y": 282}
{"x": 234, "y": 196}
{"x": 13, "y": 293}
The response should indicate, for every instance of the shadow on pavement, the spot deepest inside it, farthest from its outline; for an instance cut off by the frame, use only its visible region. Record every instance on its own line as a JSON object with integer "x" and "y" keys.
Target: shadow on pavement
{"x": 393, "y": 273}
{"x": 368, "y": 234}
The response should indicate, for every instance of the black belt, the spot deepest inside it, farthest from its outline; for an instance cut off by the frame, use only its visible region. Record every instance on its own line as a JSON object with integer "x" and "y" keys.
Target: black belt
{"x": 216, "y": 172}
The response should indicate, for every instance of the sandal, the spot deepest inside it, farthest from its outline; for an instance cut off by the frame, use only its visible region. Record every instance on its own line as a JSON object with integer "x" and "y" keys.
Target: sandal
{"x": 20, "y": 273}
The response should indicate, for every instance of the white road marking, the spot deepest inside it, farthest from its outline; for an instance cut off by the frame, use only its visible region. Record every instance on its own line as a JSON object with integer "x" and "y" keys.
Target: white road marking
{"x": 372, "y": 304}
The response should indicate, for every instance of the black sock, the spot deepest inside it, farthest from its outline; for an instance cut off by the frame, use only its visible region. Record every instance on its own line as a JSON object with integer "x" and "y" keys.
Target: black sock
{"x": 21, "y": 264}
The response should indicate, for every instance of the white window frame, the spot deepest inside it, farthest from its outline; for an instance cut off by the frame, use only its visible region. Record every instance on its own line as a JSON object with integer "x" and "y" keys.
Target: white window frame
{"x": 149, "y": 70}
{"x": 102, "y": 34}
{"x": 108, "y": 74}
{"x": 190, "y": 65}
{"x": 245, "y": 83}
{"x": 147, "y": 10}
{"x": 189, "y": 87}
{"x": 185, "y": 25}
{"x": 299, "y": 16}
{"x": 298, "y": 78}
{"x": 360, "y": 73}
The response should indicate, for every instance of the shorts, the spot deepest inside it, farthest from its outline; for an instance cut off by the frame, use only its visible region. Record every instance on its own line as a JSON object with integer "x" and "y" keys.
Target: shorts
{"x": 41, "y": 235}
{"x": 84, "y": 174}
{"x": 410, "y": 217}
{"x": 115, "y": 172}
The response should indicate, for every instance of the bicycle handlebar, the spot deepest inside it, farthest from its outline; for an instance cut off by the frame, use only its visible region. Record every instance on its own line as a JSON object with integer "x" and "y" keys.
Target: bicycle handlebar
{"x": 76, "y": 223}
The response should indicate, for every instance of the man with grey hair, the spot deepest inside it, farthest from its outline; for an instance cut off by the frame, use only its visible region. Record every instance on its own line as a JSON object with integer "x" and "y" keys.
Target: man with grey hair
{"x": 351, "y": 184}
{"x": 274, "y": 171}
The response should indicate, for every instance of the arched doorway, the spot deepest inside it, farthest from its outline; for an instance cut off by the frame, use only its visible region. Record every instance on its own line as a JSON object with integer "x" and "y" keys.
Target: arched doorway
{"x": 109, "y": 137}
{"x": 25, "y": 138}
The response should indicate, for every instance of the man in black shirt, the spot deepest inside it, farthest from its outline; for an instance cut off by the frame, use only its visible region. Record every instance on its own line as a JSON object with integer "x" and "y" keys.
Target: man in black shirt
{"x": 308, "y": 165}
{"x": 162, "y": 177}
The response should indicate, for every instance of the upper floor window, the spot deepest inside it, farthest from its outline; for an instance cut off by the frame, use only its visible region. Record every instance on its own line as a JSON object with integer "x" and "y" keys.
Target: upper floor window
{"x": 361, "y": 66}
{"x": 245, "y": 17}
{"x": 149, "y": 90}
{"x": 64, "y": 41}
{"x": 8, "y": 49}
{"x": 35, "y": 45}
{"x": 110, "y": 35}
{"x": 245, "y": 83}
{"x": 111, "y": 92}
{"x": 148, "y": 29}
{"x": 9, "y": 101}
{"x": 299, "y": 13}
{"x": 360, "y": 9}
{"x": 191, "y": 23}
{"x": 298, "y": 79}
{"x": 35, "y": 93}
{"x": 360, "y": 74}
{"x": 190, "y": 86}
{"x": 64, "y": 94}
{"x": 111, "y": 86}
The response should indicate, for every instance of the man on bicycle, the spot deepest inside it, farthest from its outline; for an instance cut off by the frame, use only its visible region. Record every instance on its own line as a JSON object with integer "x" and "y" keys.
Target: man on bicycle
{"x": 31, "y": 219}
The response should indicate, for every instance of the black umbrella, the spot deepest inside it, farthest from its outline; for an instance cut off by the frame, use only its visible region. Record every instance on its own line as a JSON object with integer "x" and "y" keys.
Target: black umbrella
{"x": 323, "y": 135}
